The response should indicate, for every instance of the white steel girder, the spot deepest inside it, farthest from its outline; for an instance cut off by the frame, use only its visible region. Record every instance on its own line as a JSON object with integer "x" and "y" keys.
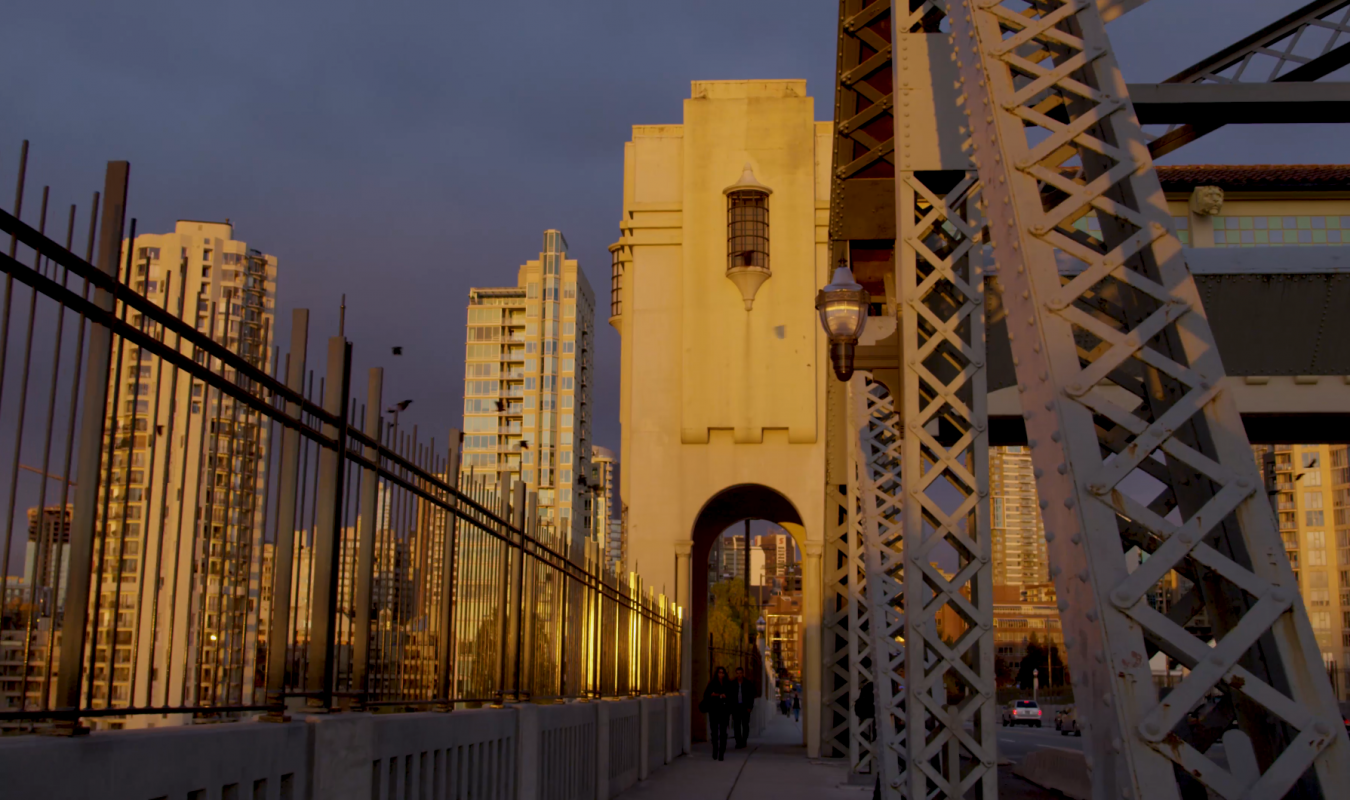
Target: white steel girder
{"x": 1055, "y": 139}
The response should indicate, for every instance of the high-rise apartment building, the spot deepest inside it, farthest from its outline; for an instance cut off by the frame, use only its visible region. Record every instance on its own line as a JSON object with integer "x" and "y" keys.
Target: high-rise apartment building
{"x": 186, "y": 485}
{"x": 527, "y": 384}
{"x": 1310, "y": 490}
{"x": 606, "y": 527}
{"x": 1019, "y": 552}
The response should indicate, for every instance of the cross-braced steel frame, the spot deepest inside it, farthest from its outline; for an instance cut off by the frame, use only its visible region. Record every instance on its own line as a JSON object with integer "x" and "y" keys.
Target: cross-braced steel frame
{"x": 1054, "y": 139}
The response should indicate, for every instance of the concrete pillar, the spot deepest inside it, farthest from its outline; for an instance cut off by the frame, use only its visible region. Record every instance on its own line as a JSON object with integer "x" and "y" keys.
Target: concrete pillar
{"x": 601, "y": 750}
{"x": 811, "y": 662}
{"x": 527, "y": 751}
{"x": 684, "y": 593}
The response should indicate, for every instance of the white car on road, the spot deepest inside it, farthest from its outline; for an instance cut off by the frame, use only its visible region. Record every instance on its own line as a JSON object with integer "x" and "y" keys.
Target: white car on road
{"x": 1022, "y": 712}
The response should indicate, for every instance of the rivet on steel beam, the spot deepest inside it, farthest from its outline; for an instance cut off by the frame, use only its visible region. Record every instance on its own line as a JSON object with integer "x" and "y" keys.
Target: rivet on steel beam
{"x": 1076, "y": 538}
{"x": 1054, "y": 572}
{"x": 1049, "y": 536}
{"x": 1062, "y": 469}
{"x": 1055, "y": 437}
{"x": 1092, "y": 613}
{"x": 1122, "y": 598}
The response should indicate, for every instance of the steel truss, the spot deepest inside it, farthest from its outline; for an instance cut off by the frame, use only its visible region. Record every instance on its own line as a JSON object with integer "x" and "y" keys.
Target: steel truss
{"x": 1308, "y": 44}
{"x": 1055, "y": 139}
{"x": 949, "y": 672}
{"x": 877, "y": 490}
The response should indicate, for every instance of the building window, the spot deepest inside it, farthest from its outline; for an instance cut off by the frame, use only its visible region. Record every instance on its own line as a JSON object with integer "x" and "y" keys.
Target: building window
{"x": 747, "y": 229}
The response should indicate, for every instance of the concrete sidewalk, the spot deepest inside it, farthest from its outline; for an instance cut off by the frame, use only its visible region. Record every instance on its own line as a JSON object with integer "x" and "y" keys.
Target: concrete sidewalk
{"x": 773, "y": 767}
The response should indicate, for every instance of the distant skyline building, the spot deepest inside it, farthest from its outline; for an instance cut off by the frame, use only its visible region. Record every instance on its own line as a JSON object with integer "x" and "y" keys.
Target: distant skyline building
{"x": 606, "y": 526}
{"x": 527, "y": 384}
{"x": 1310, "y": 492}
{"x": 47, "y": 558}
{"x": 1019, "y": 551}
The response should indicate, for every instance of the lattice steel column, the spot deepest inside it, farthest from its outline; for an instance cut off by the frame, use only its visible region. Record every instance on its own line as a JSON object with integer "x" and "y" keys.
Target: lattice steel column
{"x": 875, "y": 523}
{"x": 1119, "y": 379}
{"x": 946, "y": 488}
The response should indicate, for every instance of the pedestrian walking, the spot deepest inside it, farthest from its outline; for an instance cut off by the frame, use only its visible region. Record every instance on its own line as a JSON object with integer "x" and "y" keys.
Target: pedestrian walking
{"x": 796, "y": 707}
{"x": 716, "y": 704}
{"x": 742, "y": 702}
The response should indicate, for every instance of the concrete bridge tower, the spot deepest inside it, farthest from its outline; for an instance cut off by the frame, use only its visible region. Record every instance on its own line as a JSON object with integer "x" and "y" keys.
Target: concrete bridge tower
{"x": 724, "y": 244}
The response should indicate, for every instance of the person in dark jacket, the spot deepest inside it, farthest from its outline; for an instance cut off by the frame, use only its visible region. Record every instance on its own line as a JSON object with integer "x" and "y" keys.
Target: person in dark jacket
{"x": 742, "y": 702}
{"x": 796, "y": 707}
{"x": 717, "y": 705}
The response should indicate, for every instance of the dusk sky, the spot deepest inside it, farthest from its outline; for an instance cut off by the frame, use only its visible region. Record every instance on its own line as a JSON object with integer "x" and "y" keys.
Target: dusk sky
{"x": 402, "y": 152}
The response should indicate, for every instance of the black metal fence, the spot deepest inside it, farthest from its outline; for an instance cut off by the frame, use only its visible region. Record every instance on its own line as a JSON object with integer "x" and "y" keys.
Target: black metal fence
{"x": 211, "y": 534}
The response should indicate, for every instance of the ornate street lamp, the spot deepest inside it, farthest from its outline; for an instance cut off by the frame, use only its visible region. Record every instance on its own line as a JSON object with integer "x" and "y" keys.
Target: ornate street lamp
{"x": 843, "y": 313}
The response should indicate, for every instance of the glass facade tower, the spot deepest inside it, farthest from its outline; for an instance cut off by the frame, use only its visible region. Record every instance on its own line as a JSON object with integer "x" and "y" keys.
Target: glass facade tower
{"x": 529, "y": 350}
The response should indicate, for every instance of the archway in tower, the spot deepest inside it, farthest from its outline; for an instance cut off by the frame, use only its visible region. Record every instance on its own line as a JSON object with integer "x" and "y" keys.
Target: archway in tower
{"x": 727, "y": 512}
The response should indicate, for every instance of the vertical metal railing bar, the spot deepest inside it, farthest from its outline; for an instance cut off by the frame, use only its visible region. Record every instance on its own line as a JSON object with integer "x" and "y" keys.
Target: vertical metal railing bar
{"x": 364, "y": 561}
{"x": 303, "y": 535}
{"x": 286, "y": 541}
{"x": 100, "y": 563}
{"x": 145, "y": 536}
{"x": 450, "y": 580}
{"x": 200, "y": 583}
{"x": 23, "y": 401}
{"x": 43, "y": 544}
{"x": 262, "y": 458}
{"x": 182, "y": 506}
{"x": 339, "y": 455}
{"x": 346, "y": 571}
{"x": 51, "y": 661}
{"x": 164, "y": 499}
{"x": 242, "y": 543}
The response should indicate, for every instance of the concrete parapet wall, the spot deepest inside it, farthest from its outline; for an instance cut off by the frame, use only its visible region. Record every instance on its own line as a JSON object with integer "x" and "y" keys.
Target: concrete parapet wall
{"x": 240, "y": 759}
{"x": 404, "y": 756}
{"x": 568, "y": 751}
{"x": 1063, "y": 771}
{"x": 624, "y": 741}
